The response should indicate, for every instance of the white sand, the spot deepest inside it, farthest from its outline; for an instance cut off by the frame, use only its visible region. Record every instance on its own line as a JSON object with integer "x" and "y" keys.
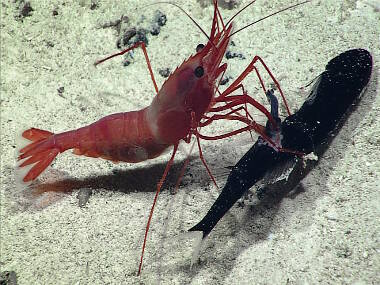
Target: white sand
{"x": 329, "y": 233}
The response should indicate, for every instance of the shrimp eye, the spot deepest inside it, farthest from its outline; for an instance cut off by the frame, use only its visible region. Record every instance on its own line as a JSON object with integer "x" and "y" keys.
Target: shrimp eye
{"x": 199, "y": 47}
{"x": 199, "y": 71}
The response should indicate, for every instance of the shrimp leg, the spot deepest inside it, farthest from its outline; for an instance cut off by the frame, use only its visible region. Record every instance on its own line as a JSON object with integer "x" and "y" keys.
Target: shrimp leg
{"x": 204, "y": 161}
{"x": 251, "y": 66}
{"x": 136, "y": 45}
{"x": 159, "y": 186}
{"x": 237, "y": 100}
{"x": 227, "y": 116}
{"x": 241, "y": 99}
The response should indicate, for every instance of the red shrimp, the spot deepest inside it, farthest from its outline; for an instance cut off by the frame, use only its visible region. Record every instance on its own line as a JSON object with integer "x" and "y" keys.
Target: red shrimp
{"x": 176, "y": 113}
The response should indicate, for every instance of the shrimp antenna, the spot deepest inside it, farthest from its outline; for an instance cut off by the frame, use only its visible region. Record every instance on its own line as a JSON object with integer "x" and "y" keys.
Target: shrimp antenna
{"x": 187, "y": 14}
{"x": 270, "y": 15}
{"x": 241, "y": 10}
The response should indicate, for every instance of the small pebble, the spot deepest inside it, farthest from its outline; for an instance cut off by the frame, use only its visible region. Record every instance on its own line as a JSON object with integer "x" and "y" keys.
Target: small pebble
{"x": 230, "y": 54}
{"x": 155, "y": 29}
{"x": 160, "y": 18}
{"x": 124, "y": 19}
{"x": 225, "y": 80}
{"x": 94, "y": 5}
{"x": 116, "y": 24}
{"x": 61, "y": 90}
{"x": 225, "y": 4}
{"x": 8, "y": 278}
{"x": 49, "y": 44}
{"x": 126, "y": 62}
{"x": 83, "y": 196}
{"x": 25, "y": 9}
{"x": 141, "y": 36}
{"x": 164, "y": 72}
{"x": 128, "y": 35}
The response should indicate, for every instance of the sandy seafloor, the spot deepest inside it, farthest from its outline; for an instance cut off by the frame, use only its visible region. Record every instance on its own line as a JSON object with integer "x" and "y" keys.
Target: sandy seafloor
{"x": 327, "y": 233}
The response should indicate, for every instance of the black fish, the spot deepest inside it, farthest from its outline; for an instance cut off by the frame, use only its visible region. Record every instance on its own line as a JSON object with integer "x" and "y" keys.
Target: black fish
{"x": 309, "y": 130}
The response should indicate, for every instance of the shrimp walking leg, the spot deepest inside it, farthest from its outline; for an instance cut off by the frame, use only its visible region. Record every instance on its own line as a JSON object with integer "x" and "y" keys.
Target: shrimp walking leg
{"x": 227, "y": 116}
{"x": 241, "y": 99}
{"x": 136, "y": 45}
{"x": 204, "y": 161}
{"x": 248, "y": 70}
{"x": 236, "y": 100}
{"x": 159, "y": 186}
{"x": 271, "y": 133}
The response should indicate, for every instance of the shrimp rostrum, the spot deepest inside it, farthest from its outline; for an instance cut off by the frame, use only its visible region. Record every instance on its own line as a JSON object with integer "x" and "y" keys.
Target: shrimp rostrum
{"x": 188, "y": 100}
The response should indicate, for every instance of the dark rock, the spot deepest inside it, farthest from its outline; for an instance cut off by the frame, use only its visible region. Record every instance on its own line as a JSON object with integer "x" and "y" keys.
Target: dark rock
{"x": 230, "y": 54}
{"x": 94, "y": 5}
{"x": 164, "y": 72}
{"x": 225, "y": 80}
{"x": 8, "y": 278}
{"x": 155, "y": 29}
{"x": 25, "y": 9}
{"x": 160, "y": 18}
{"x": 128, "y": 35}
{"x": 83, "y": 196}
{"x": 225, "y": 4}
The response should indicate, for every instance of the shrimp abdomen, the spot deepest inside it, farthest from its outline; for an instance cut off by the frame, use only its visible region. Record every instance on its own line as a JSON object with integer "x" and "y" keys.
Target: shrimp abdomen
{"x": 119, "y": 137}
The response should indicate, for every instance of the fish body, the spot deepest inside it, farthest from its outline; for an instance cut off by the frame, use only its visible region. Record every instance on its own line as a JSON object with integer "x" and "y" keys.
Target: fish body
{"x": 308, "y": 130}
